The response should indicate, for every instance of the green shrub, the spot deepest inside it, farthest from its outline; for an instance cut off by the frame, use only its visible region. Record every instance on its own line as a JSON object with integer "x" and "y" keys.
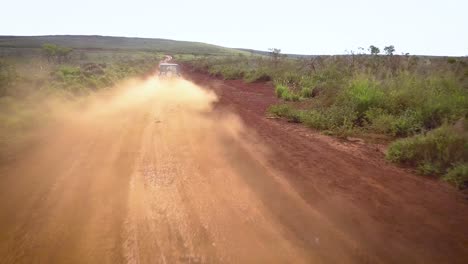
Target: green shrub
{"x": 288, "y": 78}
{"x": 307, "y": 92}
{"x": 334, "y": 119}
{"x": 457, "y": 175}
{"x": 427, "y": 168}
{"x": 257, "y": 75}
{"x": 436, "y": 99}
{"x": 340, "y": 117}
{"x": 280, "y": 90}
{"x": 362, "y": 94}
{"x": 451, "y": 60}
{"x": 227, "y": 72}
{"x": 314, "y": 119}
{"x": 307, "y": 82}
{"x": 285, "y": 93}
{"x": 232, "y": 73}
{"x": 407, "y": 123}
{"x": 286, "y": 111}
{"x": 438, "y": 149}
{"x": 380, "y": 121}
{"x": 66, "y": 72}
{"x": 293, "y": 97}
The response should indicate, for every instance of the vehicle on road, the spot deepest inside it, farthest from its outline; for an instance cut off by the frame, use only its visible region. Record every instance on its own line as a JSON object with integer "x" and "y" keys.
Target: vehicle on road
{"x": 169, "y": 70}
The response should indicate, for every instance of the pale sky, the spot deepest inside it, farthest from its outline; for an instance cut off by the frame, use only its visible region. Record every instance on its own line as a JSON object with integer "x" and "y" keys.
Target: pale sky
{"x": 425, "y": 27}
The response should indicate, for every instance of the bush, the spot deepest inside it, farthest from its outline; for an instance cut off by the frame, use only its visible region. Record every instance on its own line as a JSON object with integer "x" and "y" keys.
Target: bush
{"x": 340, "y": 118}
{"x": 307, "y": 92}
{"x": 314, "y": 119}
{"x": 436, "y": 99}
{"x": 280, "y": 90}
{"x": 232, "y": 73}
{"x": 334, "y": 119}
{"x": 362, "y": 94}
{"x": 457, "y": 175}
{"x": 286, "y": 111}
{"x": 438, "y": 150}
{"x": 227, "y": 72}
{"x": 408, "y": 123}
{"x": 293, "y": 97}
{"x": 428, "y": 169}
{"x": 257, "y": 76}
{"x": 285, "y": 93}
{"x": 288, "y": 78}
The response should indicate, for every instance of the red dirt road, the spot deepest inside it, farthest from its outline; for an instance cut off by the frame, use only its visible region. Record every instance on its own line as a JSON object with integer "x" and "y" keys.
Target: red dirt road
{"x": 168, "y": 172}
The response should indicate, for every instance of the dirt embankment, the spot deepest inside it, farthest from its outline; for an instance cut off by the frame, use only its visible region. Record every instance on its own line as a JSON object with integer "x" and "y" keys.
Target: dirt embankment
{"x": 177, "y": 172}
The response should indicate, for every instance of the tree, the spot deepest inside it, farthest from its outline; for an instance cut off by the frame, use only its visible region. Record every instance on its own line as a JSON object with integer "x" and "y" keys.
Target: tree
{"x": 389, "y": 50}
{"x": 313, "y": 62}
{"x": 50, "y": 51}
{"x": 361, "y": 51}
{"x": 374, "y": 50}
{"x": 54, "y": 52}
{"x": 63, "y": 54}
{"x": 275, "y": 54}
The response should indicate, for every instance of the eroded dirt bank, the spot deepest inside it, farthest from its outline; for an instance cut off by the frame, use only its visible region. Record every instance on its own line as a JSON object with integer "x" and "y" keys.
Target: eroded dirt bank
{"x": 173, "y": 172}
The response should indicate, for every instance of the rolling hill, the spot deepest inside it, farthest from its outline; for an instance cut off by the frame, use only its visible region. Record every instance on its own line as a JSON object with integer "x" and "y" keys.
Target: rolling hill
{"x": 115, "y": 43}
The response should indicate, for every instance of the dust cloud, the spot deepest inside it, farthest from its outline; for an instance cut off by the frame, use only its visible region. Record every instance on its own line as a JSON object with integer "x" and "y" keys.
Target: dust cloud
{"x": 137, "y": 94}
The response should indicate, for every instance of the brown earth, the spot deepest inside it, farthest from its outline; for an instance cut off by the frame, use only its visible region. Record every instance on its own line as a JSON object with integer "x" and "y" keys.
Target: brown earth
{"x": 168, "y": 172}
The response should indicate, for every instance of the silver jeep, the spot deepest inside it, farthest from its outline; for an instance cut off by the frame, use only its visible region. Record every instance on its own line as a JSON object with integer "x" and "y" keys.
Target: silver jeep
{"x": 169, "y": 70}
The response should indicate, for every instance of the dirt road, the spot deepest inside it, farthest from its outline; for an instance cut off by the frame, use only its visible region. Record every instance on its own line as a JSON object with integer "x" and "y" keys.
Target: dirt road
{"x": 168, "y": 172}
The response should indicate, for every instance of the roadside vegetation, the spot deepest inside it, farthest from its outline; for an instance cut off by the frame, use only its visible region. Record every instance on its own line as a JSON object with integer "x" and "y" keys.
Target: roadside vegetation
{"x": 31, "y": 78}
{"x": 419, "y": 104}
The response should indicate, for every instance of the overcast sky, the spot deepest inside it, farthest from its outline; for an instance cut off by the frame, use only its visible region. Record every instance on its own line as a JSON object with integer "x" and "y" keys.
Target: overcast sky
{"x": 429, "y": 27}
